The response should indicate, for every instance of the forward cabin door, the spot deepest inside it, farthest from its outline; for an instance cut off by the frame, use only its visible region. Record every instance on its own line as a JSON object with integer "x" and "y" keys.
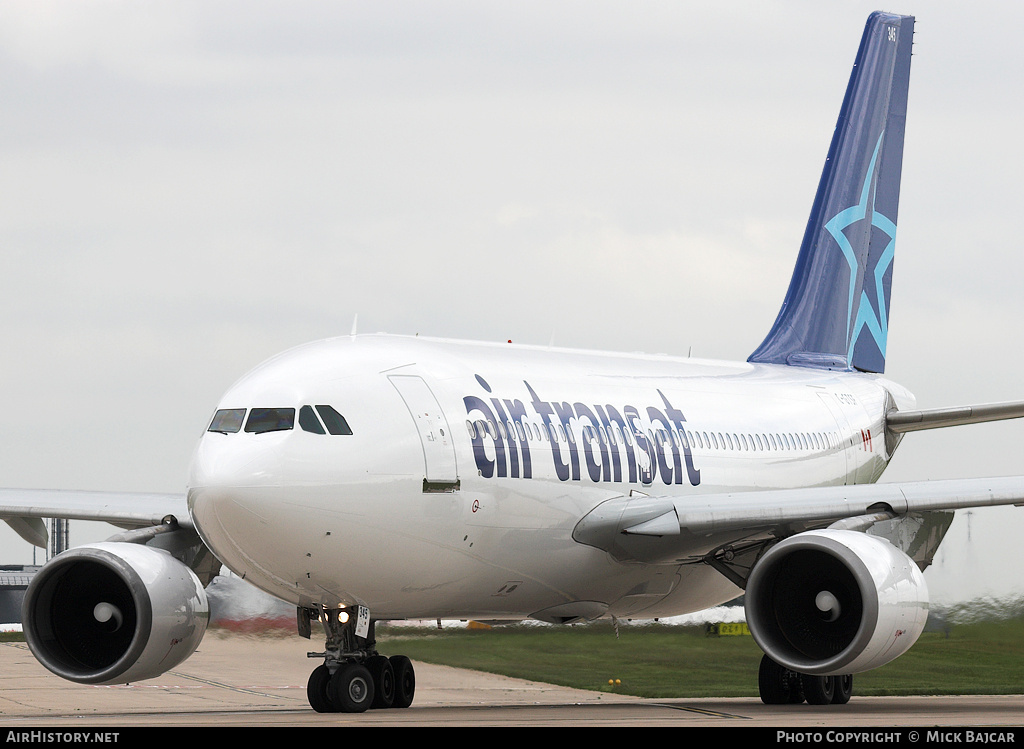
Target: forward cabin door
{"x": 440, "y": 469}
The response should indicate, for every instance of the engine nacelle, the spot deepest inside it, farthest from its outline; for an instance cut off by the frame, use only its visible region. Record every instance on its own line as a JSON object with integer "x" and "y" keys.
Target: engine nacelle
{"x": 834, "y": 602}
{"x": 114, "y": 613}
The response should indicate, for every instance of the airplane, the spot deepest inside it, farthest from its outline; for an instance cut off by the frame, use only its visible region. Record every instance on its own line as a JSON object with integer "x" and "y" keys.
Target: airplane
{"x": 372, "y": 478}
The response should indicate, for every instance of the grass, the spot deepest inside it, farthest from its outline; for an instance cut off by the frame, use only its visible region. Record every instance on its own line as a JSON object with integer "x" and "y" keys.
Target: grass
{"x": 663, "y": 661}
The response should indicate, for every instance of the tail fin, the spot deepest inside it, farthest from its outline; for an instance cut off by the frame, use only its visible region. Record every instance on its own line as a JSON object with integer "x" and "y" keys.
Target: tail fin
{"x": 836, "y": 312}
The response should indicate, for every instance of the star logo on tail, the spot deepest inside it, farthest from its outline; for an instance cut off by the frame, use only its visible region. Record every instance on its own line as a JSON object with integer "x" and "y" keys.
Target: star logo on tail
{"x": 868, "y": 313}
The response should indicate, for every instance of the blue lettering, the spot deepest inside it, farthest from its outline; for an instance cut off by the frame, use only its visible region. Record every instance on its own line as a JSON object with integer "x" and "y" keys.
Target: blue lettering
{"x": 599, "y": 471}
{"x": 484, "y": 464}
{"x": 607, "y": 436}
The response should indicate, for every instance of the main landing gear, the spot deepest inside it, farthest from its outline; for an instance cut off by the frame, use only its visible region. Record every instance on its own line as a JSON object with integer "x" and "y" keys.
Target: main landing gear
{"x": 354, "y": 677}
{"x": 779, "y": 686}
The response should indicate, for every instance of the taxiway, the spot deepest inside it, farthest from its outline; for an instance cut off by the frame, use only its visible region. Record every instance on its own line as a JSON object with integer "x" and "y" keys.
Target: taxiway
{"x": 243, "y": 681}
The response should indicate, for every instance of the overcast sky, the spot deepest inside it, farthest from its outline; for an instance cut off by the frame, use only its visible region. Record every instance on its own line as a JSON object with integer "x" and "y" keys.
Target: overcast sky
{"x": 190, "y": 187}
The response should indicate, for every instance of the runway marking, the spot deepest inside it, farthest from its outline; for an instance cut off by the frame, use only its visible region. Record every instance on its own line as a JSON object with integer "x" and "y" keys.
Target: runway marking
{"x": 230, "y": 687}
{"x": 703, "y": 711}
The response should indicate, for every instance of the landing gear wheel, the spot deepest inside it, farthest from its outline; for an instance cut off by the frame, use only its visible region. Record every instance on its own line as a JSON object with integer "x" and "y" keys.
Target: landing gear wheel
{"x": 777, "y": 684}
{"x": 405, "y": 680}
{"x": 383, "y": 676}
{"x": 317, "y": 690}
{"x": 796, "y": 688}
{"x": 351, "y": 688}
{"x": 819, "y": 690}
{"x": 843, "y": 689}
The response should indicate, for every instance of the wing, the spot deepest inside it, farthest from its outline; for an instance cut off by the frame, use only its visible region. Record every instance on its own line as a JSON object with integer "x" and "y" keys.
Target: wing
{"x": 717, "y": 528}
{"x": 24, "y": 509}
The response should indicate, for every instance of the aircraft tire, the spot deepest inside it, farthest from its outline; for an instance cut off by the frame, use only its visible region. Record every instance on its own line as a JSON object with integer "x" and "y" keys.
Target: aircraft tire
{"x": 819, "y": 690}
{"x": 383, "y": 676}
{"x": 351, "y": 689}
{"x": 774, "y": 682}
{"x": 843, "y": 689}
{"x": 796, "y": 688}
{"x": 405, "y": 681}
{"x": 318, "y": 692}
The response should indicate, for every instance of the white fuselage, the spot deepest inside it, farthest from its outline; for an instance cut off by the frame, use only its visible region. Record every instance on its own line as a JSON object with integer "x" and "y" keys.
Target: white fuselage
{"x": 431, "y": 508}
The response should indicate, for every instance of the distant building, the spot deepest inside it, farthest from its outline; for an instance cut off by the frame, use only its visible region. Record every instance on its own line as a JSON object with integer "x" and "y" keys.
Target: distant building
{"x": 14, "y": 580}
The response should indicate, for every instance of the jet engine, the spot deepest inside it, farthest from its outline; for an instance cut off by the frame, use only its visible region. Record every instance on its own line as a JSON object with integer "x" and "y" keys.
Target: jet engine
{"x": 834, "y": 602}
{"x": 114, "y": 613}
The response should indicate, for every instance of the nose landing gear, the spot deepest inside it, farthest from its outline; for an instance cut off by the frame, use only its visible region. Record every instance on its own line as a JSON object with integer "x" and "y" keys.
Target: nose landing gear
{"x": 354, "y": 676}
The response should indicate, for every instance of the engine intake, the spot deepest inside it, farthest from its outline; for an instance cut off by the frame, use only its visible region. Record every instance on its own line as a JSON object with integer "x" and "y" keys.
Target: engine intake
{"x": 113, "y": 613}
{"x": 834, "y": 602}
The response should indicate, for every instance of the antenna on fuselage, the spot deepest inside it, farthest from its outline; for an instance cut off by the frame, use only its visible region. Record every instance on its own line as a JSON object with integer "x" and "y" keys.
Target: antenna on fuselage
{"x": 355, "y": 319}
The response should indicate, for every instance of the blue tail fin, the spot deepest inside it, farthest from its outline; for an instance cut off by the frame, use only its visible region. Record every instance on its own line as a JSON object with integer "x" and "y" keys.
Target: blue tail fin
{"x": 836, "y": 312}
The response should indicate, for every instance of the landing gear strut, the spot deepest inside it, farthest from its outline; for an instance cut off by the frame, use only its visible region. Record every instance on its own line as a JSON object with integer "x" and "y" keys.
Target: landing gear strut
{"x": 779, "y": 686}
{"x": 354, "y": 677}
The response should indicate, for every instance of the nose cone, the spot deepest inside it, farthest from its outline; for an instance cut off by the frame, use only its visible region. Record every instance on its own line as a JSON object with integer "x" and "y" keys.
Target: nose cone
{"x": 228, "y": 481}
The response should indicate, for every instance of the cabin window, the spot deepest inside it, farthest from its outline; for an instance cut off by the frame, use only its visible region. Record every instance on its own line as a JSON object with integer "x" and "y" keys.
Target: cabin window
{"x": 270, "y": 420}
{"x": 227, "y": 420}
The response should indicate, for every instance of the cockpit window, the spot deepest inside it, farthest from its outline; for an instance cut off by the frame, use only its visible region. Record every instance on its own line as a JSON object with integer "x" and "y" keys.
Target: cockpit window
{"x": 227, "y": 420}
{"x": 309, "y": 422}
{"x": 270, "y": 420}
{"x": 333, "y": 420}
